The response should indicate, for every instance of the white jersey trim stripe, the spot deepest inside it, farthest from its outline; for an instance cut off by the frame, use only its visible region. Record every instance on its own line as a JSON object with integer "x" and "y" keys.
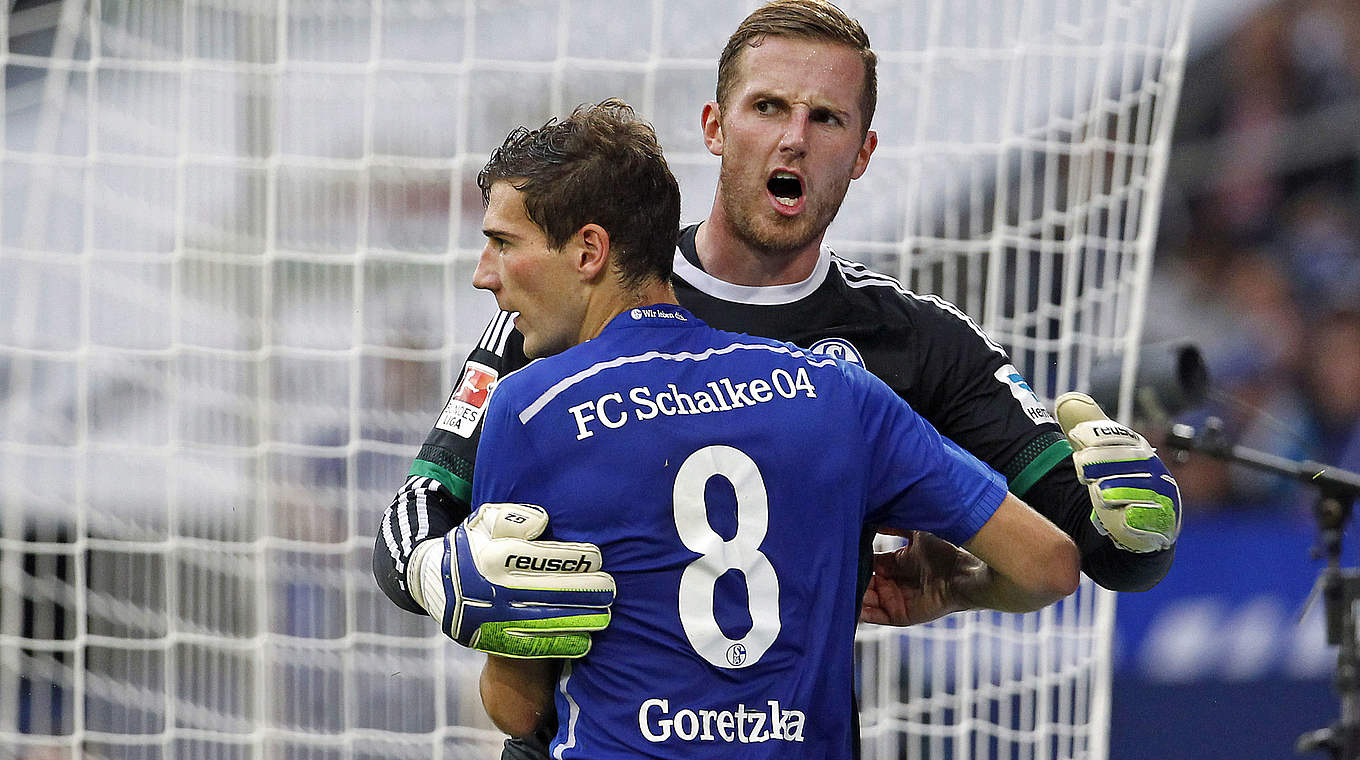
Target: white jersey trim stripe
{"x": 562, "y": 385}
{"x": 763, "y": 295}
{"x": 505, "y": 334}
{"x": 404, "y": 524}
{"x": 390, "y": 540}
{"x": 422, "y": 513}
{"x": 493, "y": 339}
{"x": 573, "y": 712}
{"x": 489, "y": 329}
{"x": 860, "y": 276}
{"x": 396, "y": 530}
{"x": 485, "y": 330}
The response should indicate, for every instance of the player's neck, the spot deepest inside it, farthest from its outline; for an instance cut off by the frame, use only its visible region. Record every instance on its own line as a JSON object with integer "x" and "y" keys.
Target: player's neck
{"x": 607, "y": 304}
{"x": 727, "y": 257}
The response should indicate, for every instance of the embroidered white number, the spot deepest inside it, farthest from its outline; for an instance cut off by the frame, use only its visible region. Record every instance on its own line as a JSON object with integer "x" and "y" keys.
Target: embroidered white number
{"x": 717, "y": 556}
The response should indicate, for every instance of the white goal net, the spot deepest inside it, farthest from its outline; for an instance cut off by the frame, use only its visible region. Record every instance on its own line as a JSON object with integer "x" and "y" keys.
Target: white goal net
{"x": 236, "y": 242}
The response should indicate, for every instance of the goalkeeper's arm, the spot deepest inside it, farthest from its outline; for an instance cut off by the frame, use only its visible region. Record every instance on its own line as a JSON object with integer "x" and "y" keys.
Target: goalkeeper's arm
{"x": 1141, "y": 548}
{"x": 422, "y": 510}
{"x": 436, "y": 495}
{"x": 1062, "y": 498}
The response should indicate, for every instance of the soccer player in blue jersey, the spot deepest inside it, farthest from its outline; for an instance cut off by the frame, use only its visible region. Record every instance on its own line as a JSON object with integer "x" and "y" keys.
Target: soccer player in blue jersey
{"x": 725, "y": 479}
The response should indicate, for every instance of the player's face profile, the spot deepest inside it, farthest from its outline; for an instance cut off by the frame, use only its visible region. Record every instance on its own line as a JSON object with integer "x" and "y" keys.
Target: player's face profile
{"x": 792, "y": 139}
{"x": 527, "y": 275}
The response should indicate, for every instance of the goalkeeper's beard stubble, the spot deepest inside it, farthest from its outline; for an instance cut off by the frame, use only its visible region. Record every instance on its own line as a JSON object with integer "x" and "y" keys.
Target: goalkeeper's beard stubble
{"x": 748, "y": 209}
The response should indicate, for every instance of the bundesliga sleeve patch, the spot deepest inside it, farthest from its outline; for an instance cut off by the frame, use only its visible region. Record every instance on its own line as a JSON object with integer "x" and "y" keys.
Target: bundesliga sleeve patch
{"x": 1029, "y": 400}
{"x": 468, "y": 401}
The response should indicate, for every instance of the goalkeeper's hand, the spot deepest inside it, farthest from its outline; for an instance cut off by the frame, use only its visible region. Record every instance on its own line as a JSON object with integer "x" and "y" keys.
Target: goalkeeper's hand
{"x": 1135, "y": 500}
{"x": 494, "y": 589}
{"x": 919, "y": 582}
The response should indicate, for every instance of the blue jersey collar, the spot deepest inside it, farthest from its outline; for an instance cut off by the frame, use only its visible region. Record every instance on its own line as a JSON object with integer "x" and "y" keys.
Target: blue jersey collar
{"x": 655, "y": 315}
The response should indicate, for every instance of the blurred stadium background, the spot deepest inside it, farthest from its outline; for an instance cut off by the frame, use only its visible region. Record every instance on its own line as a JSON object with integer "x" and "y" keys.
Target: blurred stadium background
{"x": 1258, "y": 262}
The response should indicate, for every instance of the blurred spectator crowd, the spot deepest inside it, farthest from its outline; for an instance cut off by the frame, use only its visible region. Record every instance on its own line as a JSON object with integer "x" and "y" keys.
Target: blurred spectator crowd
{"x": 1259, "y": 262}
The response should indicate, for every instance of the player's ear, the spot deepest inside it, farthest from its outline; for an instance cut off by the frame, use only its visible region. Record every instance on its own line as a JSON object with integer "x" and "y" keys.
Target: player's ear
{"x": 592, "y": 251}
{"x": 865, "y": 151}
{"x": 711, "y": 122}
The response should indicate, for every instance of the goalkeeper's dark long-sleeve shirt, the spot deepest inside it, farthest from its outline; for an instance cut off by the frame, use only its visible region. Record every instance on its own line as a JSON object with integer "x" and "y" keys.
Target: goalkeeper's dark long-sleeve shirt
{"x": 923, "y": 347}
{"x": 927, "y": 350}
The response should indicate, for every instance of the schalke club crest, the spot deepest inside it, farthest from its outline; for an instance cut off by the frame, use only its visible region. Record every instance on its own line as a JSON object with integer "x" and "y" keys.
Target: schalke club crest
{"x": 837, "y": 348}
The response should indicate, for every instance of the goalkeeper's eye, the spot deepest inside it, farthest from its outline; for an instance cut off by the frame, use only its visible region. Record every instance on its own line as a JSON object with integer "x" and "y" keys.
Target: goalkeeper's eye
{"x": 826, "y": 116}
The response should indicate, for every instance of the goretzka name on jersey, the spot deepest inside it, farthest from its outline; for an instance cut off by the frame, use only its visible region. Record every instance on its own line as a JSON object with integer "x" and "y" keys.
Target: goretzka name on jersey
{"x": 743, "y": 725}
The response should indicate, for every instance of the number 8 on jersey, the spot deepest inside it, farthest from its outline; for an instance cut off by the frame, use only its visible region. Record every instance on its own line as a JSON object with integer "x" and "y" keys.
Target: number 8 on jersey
{"x": 698, "y": 582}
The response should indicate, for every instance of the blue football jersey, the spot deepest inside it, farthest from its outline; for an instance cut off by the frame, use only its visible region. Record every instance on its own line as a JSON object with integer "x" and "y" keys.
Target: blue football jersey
{"x": 726, "y": 480}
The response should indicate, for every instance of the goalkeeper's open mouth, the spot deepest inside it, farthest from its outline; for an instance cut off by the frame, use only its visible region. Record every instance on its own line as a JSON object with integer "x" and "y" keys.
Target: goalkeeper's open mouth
{"x": 786, "y": 191}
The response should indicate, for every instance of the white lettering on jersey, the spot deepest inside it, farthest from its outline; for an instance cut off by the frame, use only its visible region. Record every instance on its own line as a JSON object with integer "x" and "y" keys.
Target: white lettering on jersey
{"x": 1029, "y": 400}
{"x": 468, "y": 401}
{"x": 742, "y": 725}
{"x": 657, "y": 314}
{"x": 643, "y": 403}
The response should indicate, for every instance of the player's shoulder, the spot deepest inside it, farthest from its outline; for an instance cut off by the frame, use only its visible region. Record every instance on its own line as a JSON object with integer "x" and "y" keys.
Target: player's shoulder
{"x": 886, "y": 292}
{"x": 521, "y": 394}
{"x": 746, "y": 347}
{"x": 801, "y": 367}
{"x": 609, "y": 361}
{"x": 532, "y": 378}
{"x": 607, "y": 354}
{"x": 926, "y": 315}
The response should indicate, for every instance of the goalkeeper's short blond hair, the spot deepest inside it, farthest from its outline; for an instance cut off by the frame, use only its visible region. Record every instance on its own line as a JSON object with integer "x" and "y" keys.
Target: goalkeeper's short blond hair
{"x": 815, "y": 20}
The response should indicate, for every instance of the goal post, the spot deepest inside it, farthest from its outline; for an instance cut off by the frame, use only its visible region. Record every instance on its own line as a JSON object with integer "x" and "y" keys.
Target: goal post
{"x": 236, "y": 245}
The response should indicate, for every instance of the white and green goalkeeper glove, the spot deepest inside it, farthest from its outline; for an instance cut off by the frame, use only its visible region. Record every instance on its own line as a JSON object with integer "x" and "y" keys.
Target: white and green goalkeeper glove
{"x": 1135, "y": 500}
{"x": 493, "y": 588}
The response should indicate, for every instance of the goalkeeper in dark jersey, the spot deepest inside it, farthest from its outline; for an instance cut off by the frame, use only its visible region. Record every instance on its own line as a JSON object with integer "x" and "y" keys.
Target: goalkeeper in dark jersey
{"x": 792, "y": 129}
{"x": 682, "y": 451}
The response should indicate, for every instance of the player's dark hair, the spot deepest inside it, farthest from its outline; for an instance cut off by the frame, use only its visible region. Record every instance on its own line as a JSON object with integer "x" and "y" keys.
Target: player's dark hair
{"x": 600, "y": 165}
{"x": 815, "y": 20}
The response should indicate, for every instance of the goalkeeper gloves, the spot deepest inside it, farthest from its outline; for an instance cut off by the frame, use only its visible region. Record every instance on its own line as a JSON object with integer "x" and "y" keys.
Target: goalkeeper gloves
{"x": 1136, "y": 501}
{"x": 494, "y": 589}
